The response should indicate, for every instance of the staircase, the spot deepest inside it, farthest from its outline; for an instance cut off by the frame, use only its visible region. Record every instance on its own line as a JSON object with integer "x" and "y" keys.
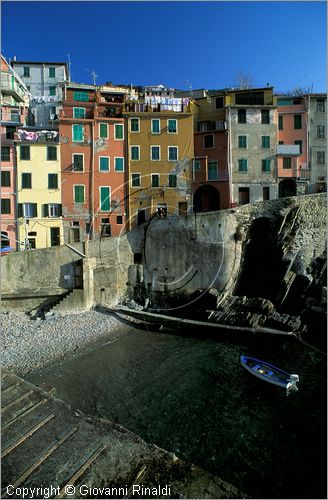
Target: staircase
{"x": 72, "y": 302}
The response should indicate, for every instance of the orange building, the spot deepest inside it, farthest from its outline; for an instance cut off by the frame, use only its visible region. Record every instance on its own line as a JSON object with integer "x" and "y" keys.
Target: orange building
{"x": 92, "y": 140}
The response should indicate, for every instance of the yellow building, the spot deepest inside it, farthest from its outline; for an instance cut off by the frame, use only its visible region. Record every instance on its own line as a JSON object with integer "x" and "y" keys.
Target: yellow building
{"x": 39, "y": 190}
{"x": 160, "y": 151}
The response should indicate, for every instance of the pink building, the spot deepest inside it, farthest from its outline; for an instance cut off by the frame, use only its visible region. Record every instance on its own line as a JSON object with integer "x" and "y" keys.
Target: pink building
{"x": 292, "y": 158}
{"x": 14, "y": 107}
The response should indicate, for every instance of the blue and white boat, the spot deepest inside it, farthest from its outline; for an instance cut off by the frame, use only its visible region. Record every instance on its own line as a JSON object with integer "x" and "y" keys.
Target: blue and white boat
{"x": 270, "y": 373}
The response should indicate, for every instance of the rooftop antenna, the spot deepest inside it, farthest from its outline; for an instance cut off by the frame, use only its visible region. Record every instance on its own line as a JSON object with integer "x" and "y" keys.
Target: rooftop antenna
{"x": 69, "y": 68}
{"x": 94, "y": 76}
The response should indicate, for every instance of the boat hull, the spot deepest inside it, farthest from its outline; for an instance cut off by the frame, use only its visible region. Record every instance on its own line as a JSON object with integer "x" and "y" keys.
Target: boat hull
{"x": 268, "y": 373}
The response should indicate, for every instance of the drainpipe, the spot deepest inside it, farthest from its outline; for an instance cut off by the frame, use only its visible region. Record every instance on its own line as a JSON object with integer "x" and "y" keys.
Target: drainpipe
{"x": 15, "y": 190}
{"x": 127, "y": 171}
{"x": 91, "y": 195}
{"x": 229, "y": 158}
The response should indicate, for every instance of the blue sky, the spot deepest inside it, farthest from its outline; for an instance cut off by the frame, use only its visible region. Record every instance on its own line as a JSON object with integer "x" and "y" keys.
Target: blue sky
{"x": 180, "y": 44}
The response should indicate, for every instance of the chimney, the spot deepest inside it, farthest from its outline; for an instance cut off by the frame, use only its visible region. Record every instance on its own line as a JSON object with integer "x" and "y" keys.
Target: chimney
{"x": 14, "y": 58}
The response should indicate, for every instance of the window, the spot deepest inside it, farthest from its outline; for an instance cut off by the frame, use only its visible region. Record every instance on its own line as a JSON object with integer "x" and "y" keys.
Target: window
{"x": 266, "y": 141}
{"x": 104, "y": 163}
{"x": 219, "y": 102}
{"x": 212, "y": 170}
{"x": 242, "y": 141}
{"x": 155, "y": 153}
{"x": 321, "y": 157}
{"x": 173, "y": 180}
{"x": 119, "y": 164}
{"x": 266, "y": 193}
{"x": 79, "y": 193}
{"x": 265, "y": 116}
{"x": 52, "y": 210}
{"x": 52, "y": 90}
{"x": 320, "y": 132}
{"x": 5, "y": 153}
{"x": 135, "y": 180}
{"x": 4, "y": 239}
{"x": 280, "y": 122}
{"x": 135, "y": 152}
{"x": 26, "y": 181}
{"x": 155, "y": 126}
{"x": 52, "y": 72}
{"x": 26, "y": 71}
{"x": 52, "y": 181}
{"x": 10, "y": 132}
{"x": 79, "y": 112}
{"x": 172, "y": 126}
{"x": 118, "y": 131}
{"x": 119, "y": 219}
{"x": 81, "y": 96}
{"x": 25, "y": 153}
{"x": 196, "y": 165}
{"x": 297, "y": 121}
{"x": 173, "y": 153}
{"x": 14, "y": 115}
{"x": 299, "y": 143}
{"x": 280, "y": 142}
{"x": 5, "y": 206}
{"x": 78, "y": 135}
{"x": 209, "y": 141}
{"x": 286, "y": 162}
{"x": 135, "y": 125}
{"x": 103, "y": 130}
{"x": 321, "y": 105}
{"x": 154, "y": 180}
{"x": 243, "y": 195}
{"x": 5, "y": 178}
{"x": 78, "y": 161}
{"x": 104, "y": 198}
{"x": 242, "y": 165}
{"x": 266, "y": 165}
{"x": 105, "y": 227}
{"x": 51, "y": 153}
{"x": 28, "y": 87}
{"x": 27, "y": 210}
{"x": 241, "y": 115}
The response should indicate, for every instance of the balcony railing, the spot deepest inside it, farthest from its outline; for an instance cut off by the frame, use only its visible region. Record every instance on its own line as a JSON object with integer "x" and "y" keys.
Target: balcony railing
{"x": 10, "y": 85}
{"x": 33, "y": 136}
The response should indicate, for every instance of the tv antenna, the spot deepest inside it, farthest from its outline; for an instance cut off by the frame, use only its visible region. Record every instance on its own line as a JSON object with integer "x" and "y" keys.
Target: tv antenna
{"x": 93, "y": 74}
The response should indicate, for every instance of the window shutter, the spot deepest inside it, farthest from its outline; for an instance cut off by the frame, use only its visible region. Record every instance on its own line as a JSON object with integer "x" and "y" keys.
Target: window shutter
{"x": 20, "y": 210}
{"x": 45, "y": 210}
{"x": 60, "y": 210}
{"x": 35, "y": 210}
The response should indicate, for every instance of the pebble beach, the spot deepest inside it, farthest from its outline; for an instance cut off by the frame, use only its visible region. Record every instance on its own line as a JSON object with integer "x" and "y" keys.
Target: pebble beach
{"x": 28, "y": 345}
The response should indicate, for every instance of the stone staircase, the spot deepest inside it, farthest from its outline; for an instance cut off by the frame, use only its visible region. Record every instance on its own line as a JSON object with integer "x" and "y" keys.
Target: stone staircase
{"x": 72, "y": 302}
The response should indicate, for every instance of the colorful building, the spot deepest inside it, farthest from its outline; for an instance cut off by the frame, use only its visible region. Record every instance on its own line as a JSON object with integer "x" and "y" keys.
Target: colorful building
{"x": 92, "y": 137}
{"x": 211, "y": 188}
{"x": 316, "y": 105}
{"x": 14, "y": 109}
{"x": 39, "y": 189}
{"x": 251, "y": 119}
{"x": 160, "y": 152}
{"x": 292, "y": 148}
{"x": 44, "y": 81}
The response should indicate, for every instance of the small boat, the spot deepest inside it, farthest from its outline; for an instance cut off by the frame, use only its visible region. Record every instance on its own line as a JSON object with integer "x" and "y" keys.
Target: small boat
{"x": 270, "y": 373}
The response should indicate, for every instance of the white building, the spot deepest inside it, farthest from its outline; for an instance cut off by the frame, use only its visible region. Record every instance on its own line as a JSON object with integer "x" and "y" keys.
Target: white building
{"x": 317, "y": 141}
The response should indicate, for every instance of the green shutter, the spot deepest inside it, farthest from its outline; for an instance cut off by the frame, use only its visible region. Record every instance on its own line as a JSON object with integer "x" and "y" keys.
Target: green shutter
{"x": 242, "y": 141}
{"x": 172, "y": 180}
{"x": 52, "y": 181}
{"x": 155, "y": 126}
{"x": 79, "y": 112}
{"x": 79, "y": 194}
{"x": 46, "y": 210}
{"x": 77, "y": 133}
{"x": 280, "y": 122}
{"x": 172, "y": 126}
{"x": 26, "y": 181}
{"x": 119, "y": 164}
{"x": 266, "y": 165}
{"x": 104, "y": 199}
{"x": 265, "y": 141}
{"x": 104, "y": 164}
{"x": 52, "y": 72}
{"x": 81, "y": 96}
{"x": 242, "y": 165}
{"x": 103, "y": 131}
{"x": 134, "y": 153}
{"x": 118, "y": 131}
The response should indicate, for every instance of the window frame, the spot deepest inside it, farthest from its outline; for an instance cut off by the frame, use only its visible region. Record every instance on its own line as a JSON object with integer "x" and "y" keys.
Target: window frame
{"x": 53, "y": 176}
{"x": 109, "y": 198}
{"x": 176, "y": 125}
{"x": 5, "y": 206}
{"x": 82, "y": 128}
{"x": 321, "y": 103}
{"x": 168, "y": 153}
{"x": 52, "y": 90}
{"x": 265, "y": 117}
{"x": 322, "y": 156}
{"x": 53, "y": 207}
{"x": 84, "y": 194}
{"x": 216, "y": 162}
{"x": 285, "y": 162}
{"x": 152, "y": 176}
{"x": 241, "y": 163}
{"x": 99, "y": 164}
{"x": 137, "y": 149}
{"x": 151, "y": 152}
{"x": 265, "y": 162}
{"x": 213, "y": 143}
{"x": 138, "y": 122}
{"x": 77, "y": 154}
{"x": 26, "y": 74}
{"x": 7, "y": 157}
{"x": 159, "y": 126}
{"x": 102, "y": 124}
{"x": 321, "y": 132}
{"x": 52, "y": 69}
{"x": 79, "y": 108}
{"x": 119, "y": 158}
{"x": 297, "y": 117}
{"x": 119, "y": 125}
{"x": 139, "y": 179}
{"x": 80, "y": 93}
{"x": 5, "y": 178}
{"x": 170, "y": 177}
{"x": 52, "y": 148}
{"x": 22, "y": 148}
{"x": 27, "y": 182}
{"x": 265, "y": 142}
{"x": 241, "y": 112}
{"x": 240, "y": 142}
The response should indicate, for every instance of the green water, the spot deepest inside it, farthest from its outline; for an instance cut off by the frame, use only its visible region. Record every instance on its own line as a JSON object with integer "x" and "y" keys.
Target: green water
{"x": 191, "y": 396}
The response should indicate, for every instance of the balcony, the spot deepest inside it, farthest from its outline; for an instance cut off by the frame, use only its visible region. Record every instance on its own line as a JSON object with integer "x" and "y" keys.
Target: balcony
{"x": 9, "y": 85}
{"x": 11, "y": 117}
{"x": 288, "y": 150}
{"x": 37, "y": 137}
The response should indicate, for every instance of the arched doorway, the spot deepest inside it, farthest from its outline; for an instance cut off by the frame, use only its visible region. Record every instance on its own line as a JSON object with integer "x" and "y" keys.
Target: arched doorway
{"x": 287, "y": 187}
{"x": 206, "y": 199}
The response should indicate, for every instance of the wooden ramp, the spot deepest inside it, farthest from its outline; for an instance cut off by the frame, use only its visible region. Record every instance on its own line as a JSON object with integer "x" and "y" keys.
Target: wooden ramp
{"x": 51, "y": 450}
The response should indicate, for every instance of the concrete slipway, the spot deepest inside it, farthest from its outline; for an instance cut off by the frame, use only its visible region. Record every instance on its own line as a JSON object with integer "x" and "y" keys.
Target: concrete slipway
{"x": 50, "y": 450}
